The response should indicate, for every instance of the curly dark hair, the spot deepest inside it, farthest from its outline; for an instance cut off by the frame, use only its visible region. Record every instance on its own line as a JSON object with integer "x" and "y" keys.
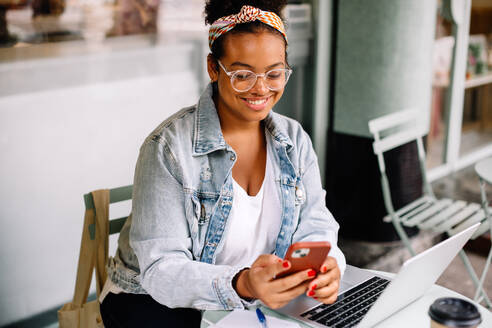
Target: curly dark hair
{"x": 215, "y": 9}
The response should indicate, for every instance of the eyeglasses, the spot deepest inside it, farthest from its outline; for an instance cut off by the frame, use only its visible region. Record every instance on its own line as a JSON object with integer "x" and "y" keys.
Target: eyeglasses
{"x": 243, "y": 80}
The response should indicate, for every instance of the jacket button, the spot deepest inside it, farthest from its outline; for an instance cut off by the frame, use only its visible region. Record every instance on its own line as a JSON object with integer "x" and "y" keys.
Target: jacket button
{"x": 299, "y": 193}
{"x": 233, "y": 157}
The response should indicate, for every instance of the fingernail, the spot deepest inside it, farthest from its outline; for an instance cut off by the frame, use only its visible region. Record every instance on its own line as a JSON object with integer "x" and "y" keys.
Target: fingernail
{"x": 315, "y": 297}
{"x": 324, "y": 269}
{"x": 285, "y": 264}
{"x": 313, "y": 287}
{"x": 279, "y": 260}
{"x": 311, "y": 273}
{"x": 311, "y": 293}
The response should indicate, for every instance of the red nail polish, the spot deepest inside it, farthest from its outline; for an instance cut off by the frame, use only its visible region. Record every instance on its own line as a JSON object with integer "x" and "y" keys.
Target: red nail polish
{"x": 311, "y": 293}
{"x": 324, "y": 269}
{"x": 313, "y": 287}
{"x": 285, "y": 264}
{"x": 311, "y": 273}
{"x": 315, "y": 297}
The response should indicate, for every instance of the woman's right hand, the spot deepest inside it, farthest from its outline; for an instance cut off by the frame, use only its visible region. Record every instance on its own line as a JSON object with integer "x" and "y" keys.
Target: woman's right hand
{"x": 259, "y": 281}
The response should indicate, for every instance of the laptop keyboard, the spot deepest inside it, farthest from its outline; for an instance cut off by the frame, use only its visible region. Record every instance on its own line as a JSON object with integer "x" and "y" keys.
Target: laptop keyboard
{"x": 350, "y": 307}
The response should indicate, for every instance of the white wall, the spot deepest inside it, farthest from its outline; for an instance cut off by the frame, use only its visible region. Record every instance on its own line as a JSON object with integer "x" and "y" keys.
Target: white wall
{"x": 67, "y": 127}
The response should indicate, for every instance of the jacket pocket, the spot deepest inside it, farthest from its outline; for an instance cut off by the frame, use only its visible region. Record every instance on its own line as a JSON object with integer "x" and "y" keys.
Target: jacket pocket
{"x": 202, "y": 207}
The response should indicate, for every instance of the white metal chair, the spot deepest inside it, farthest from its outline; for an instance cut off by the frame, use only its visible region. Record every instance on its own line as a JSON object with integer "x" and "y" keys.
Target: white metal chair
{"x": 484, "y": 172}
{"x": 427, "y": 212}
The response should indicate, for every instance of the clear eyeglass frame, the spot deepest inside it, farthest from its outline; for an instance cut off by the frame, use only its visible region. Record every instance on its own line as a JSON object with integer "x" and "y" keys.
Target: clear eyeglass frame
{"x": 249, "y": 82}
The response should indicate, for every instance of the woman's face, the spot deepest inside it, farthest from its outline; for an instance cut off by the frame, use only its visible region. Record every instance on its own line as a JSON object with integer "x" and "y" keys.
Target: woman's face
{"x": 259, "y": 53}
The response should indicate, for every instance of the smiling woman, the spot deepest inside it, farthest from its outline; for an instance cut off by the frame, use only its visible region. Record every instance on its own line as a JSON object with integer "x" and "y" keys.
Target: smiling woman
{"x": 250, "y": 55}
{"x": 222, "y": 189}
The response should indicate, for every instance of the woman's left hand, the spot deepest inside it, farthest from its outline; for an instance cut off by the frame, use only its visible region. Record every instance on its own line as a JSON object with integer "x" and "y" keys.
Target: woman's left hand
{"x": 324, "y": 287}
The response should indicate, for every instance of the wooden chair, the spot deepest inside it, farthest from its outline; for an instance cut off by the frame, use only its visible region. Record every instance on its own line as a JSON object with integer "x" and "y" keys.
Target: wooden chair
{"x": 427, "y": 212}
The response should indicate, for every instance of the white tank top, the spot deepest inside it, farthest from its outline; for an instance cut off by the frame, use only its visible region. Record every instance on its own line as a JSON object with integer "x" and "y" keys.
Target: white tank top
{"x": 253, "y": 223}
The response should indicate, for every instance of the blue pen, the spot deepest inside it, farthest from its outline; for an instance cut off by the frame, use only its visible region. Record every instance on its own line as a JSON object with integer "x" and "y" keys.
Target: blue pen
{"x": 261, "y": 318}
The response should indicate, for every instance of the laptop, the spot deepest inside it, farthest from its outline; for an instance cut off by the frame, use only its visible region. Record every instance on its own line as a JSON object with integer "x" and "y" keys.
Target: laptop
{"x": 366, "y": 298}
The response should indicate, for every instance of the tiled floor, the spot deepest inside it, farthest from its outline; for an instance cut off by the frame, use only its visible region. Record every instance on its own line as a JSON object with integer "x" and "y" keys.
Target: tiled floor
{"x": 456, "y": 277}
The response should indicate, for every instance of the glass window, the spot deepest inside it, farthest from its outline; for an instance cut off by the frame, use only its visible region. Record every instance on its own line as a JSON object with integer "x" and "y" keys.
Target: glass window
{"x": 477, "y": 108}
{"x": 26, "y": 23}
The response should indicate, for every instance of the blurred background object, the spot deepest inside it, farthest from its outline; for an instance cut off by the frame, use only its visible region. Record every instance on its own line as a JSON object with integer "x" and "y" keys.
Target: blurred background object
{"x": 7, "y": 39}
{"x": 47, "y": 7}
{"x": 477, "y": 56}
{"x": 135, "y": 17}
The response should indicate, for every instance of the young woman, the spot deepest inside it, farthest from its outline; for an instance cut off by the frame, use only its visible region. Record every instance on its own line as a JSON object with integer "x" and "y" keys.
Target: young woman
{"x": 222, "y": 189}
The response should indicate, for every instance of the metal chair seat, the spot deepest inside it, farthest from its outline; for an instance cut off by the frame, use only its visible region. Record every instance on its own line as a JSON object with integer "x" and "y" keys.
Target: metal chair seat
{"x": 444, "y": 215}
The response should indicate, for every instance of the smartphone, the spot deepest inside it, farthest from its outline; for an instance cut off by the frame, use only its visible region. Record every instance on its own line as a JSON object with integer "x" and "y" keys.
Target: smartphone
{"x": 306, "y": 255}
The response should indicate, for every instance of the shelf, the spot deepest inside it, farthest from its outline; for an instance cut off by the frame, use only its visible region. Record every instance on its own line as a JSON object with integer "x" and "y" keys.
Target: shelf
{"x": 478, "y": 81}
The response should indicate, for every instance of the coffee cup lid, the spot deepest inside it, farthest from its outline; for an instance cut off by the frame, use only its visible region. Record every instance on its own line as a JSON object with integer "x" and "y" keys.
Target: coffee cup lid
{"x": 454, "y": 312}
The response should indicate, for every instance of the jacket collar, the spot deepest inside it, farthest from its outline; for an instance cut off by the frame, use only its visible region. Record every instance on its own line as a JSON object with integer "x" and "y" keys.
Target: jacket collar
{"x": 208, "y": 135}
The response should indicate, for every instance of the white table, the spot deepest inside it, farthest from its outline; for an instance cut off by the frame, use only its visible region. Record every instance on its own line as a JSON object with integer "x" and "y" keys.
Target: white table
{"x": 484, "y": 169}
{"x": 413, "y": 315}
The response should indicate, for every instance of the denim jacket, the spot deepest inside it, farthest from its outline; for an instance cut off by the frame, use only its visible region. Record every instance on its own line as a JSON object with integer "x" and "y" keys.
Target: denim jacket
{"x": 182, "y": 196}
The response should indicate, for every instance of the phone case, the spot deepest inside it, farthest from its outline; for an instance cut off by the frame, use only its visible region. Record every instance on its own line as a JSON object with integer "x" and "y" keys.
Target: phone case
{"x": 306, "y": 255}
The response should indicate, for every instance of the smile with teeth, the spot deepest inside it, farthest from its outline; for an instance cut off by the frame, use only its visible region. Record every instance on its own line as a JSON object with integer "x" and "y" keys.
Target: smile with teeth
{"x": 257, "y": 102}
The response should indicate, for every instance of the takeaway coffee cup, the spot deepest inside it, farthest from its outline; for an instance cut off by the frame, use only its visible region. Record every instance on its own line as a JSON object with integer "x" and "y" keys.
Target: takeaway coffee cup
{"x": 450, "y": 312}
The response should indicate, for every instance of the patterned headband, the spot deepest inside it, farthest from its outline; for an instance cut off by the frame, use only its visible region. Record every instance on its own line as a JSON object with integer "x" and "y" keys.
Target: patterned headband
{"x": 246, "y": 15}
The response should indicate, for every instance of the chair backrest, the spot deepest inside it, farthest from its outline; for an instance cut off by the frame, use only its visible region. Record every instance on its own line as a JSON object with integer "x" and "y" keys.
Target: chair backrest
{"x": 400, "y": 127}
{"x": 393, "y": 130}
{"x": 115, "y": 195}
